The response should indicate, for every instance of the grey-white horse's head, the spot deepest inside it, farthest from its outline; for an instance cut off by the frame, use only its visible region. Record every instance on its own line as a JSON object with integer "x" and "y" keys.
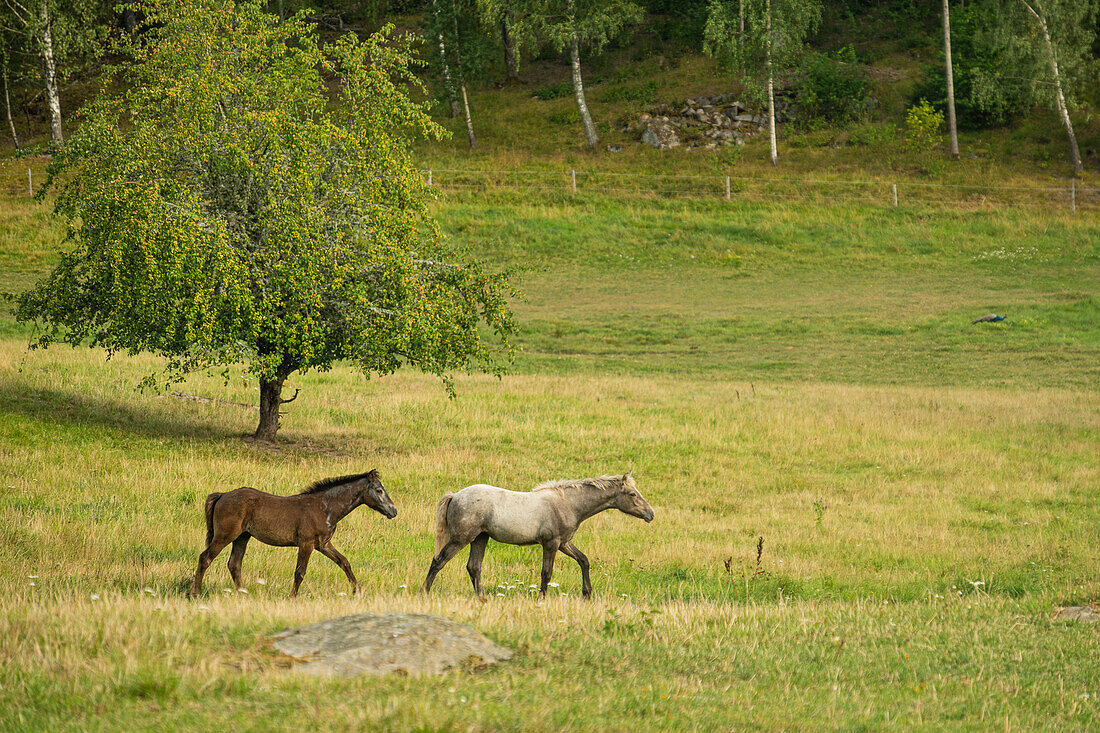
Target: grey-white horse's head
{"x": 630, "y": 501}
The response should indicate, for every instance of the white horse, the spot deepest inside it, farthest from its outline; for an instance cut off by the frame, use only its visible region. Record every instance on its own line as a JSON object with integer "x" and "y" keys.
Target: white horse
{"x": 548, "y": 516}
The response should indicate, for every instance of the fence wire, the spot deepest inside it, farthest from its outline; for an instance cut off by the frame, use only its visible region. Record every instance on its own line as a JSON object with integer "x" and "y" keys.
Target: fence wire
{"x": 20, "y": 179}
{"x": 1070, "y": 196}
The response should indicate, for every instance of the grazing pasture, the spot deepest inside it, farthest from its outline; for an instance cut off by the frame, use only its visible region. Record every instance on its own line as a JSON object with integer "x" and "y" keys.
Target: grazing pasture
{"x": 926, "y": 489}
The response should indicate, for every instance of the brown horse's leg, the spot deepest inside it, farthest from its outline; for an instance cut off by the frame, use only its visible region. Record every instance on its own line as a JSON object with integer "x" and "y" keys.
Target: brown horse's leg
{"x": 570, "y": 550}
{"x": 207, "y": 556}
{"x": 236, "y": 557}
{"x": 473, "y": 565}
{"x": 304, "y": 551}
{"x": 548, "y": 551}
{"x": 449, "y": 550}
{"x": 333, "y": 554}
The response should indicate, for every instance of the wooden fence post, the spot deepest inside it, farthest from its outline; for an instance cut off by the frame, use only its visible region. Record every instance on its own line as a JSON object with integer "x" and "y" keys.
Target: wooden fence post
{"x": 894, "y": 186}
{"x": 429, "y": 178}
{"x": 30, "y": 183}
{"x": 573, "y": 178}
{"x": 727, "y": 188}
{"x": 1073, "y": 195}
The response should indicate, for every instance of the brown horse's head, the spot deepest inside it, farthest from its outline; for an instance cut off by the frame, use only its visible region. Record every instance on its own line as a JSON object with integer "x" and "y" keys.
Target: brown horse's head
{"x": 373, "y": 494}
{"x": 630, "y": 501}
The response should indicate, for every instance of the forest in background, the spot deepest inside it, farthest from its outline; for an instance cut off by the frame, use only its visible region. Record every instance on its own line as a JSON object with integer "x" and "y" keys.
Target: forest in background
{"x": 873, "y": 67}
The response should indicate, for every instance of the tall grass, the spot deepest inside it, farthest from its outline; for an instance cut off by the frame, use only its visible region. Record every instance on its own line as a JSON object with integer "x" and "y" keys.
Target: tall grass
{"x": 750, "y": 363}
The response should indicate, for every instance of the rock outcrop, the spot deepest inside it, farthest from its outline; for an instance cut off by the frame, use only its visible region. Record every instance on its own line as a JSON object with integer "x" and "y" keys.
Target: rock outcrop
{"x": 402, "y": 643}
{"x": 705, "y": 122}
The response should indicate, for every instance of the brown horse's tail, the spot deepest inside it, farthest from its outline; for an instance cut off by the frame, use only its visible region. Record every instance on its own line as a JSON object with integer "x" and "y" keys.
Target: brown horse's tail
{"x": 442, "y": 534}
{"x": 210, "y": 502}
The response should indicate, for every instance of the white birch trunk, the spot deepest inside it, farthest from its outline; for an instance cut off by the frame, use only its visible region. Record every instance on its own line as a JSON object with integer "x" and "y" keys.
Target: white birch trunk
{"x": 741, "y": 37}
{"x": 511, "y": 59}
{"x": 7, "y": 105}
{"x": 469, "y": 120}
{"x": 53, "y": 99}
{"x": 771, "y": 82}
{"x": 462, "y": 80}
{"x": 1059, "y": 99}
{"x": 951, "y": 127}
{"x": 590, "y": 135}
{"x": 447, "y": 83}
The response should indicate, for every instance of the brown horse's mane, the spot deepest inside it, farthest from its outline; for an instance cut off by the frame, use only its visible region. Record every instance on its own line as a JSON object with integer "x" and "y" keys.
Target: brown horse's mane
{"x": 329, "y": 483}
{"x": 603, "y": 483}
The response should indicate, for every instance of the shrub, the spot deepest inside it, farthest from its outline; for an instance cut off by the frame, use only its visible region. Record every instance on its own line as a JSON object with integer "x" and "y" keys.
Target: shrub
{"x": 922, "y": 127}
{"x": 832, "y": 88}
{"x": 641, "y": 93}
{"x": 554, "y": 91}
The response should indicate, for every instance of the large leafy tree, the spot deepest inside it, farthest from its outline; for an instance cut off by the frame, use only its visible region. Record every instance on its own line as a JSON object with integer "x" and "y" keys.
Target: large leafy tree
{"x": 241, "y": 195}
{"x": 775, "y": 37}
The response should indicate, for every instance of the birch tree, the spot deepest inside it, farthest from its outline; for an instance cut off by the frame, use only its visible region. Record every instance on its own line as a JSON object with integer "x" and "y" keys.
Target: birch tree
{"x": 949, "y": 71}
{"x": 775, "y": 37}
{"x": 574, "y": 25}
{"x": 1048, "y": 42}
{"x": 459, "y": 54}
{"x": 64, "y": 36}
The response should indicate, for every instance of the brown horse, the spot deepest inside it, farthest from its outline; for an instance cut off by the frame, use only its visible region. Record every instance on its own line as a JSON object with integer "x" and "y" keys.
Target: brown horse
{"x": 306, "y": 520}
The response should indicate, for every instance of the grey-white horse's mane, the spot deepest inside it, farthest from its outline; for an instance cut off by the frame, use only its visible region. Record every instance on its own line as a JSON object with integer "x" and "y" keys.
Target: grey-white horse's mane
{"x": 603, "y": 483}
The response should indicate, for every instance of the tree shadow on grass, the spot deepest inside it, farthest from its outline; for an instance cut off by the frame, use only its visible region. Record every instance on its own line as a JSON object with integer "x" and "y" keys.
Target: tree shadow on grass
{"x": 67, "y": 409}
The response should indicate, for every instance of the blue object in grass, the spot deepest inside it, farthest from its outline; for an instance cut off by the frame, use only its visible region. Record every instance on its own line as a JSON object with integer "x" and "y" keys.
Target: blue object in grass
{"x": 989, "y": 318}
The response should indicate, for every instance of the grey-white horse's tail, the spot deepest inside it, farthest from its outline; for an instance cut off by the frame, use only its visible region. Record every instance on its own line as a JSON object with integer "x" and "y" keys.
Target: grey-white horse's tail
{"x": 442, "y": 533}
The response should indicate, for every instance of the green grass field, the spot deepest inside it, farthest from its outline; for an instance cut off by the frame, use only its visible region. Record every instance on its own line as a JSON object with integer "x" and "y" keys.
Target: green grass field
{"x": 926, "y": 488}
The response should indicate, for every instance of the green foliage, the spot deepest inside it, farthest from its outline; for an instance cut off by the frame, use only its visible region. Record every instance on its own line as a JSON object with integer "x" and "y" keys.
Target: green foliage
{"x": 453, "y": 26}
{"x": 558, "y": 90}
{"x": 923, "y": 125}
{"x": 790, "y": 23}
{"x": 594, "y": 23}
{"x": 567, "y": 117}
{"x": 832, "y": 88}
{"x": 645, "y": 92}
{"x": 985, "y": 95}
{"x": 238, "y": 194}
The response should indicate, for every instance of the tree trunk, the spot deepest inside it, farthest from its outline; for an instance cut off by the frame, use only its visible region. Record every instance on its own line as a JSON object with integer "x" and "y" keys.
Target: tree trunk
{"x": 447, "y": 79}
{"x": 590, "y": 135}
{"x": 1059, "y": 99}
{"x": 771, "y": 82}
{"x": 741, "y": 36}
{"x": 129, "y": 19}
{"x": 462, "y": 80}
{"x": 511, "y": 60}
{"x": 448, "y": 84}
{"x": 52, "y": 97}
{"x": 7, "y": 104}
{"x": 951, "y": 127}
{"x": 469, "y": 120}
{"x": 271, "y": 392}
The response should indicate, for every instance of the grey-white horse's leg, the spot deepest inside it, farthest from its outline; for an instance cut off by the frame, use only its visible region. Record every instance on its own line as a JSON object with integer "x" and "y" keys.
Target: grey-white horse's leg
{"x": 449, "y": 550}
{"x": 473, "y": 565}
{"x": 570, "y": 550}
{"x": 548, "y": 551}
